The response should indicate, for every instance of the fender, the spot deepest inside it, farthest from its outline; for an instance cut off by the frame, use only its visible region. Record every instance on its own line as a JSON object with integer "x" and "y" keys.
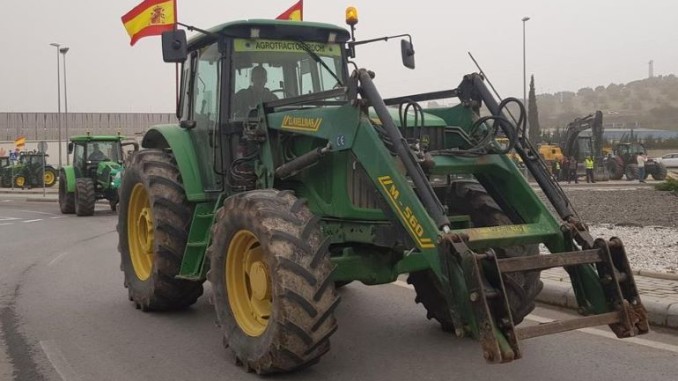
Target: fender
{"x": 69, "y": 174}
{"x": 178, "y": 140}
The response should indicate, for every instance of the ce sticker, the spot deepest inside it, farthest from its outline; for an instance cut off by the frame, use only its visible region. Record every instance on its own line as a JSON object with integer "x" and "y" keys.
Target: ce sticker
{"x": 340, "y": 141}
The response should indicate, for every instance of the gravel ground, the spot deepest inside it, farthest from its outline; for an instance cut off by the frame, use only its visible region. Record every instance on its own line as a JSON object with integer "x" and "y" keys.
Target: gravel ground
{"x": 645, "y": 219}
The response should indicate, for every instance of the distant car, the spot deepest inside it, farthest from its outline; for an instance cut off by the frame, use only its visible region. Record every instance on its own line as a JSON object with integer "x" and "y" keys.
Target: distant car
{"x": 670, "y": 160}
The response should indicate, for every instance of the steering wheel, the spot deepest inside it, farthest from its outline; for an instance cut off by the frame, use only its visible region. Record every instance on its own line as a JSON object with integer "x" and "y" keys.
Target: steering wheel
{"x": 281, "y": 91}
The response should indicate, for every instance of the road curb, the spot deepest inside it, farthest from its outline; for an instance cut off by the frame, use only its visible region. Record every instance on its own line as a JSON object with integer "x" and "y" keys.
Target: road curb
{"x": 41, "y": 199}
{"x": 560, "y": 294}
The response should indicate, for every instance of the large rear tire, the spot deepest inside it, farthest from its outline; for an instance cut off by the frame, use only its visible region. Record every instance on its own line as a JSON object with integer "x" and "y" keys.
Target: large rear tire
{"x": 470, "y": 198}
{"x": 153, "y": 223}
{"x": 632, "y": 172}
{"x": 85, "y": 198}
{"x": 272, "y": 281}
{"x": 66, "y": 199}
{"x": 615, "y": 167}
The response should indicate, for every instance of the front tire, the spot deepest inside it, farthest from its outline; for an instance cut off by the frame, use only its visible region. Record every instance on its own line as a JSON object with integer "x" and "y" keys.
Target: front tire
{"x": 660, "y": 172}
{"x": 153, "y": 223}
{"x": 19, "y": 181}
{"x": 470, "y": 198}
{"x": 85, "y": 199}
{"x": 66, "y": 199}
{"x": 272, "y": 281}
{"x": 49, "y": 177}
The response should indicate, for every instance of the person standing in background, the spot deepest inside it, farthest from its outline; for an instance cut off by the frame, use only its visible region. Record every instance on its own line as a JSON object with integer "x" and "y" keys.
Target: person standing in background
{"x": 572, "y": 170}
{"x": 641, "y": 159}
{"x": 588, "y": 162}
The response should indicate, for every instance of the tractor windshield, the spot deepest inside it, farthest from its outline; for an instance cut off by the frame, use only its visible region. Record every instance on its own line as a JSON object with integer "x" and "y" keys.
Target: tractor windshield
{"x": 267, "y": 70}
{"x": 103, "y": 150}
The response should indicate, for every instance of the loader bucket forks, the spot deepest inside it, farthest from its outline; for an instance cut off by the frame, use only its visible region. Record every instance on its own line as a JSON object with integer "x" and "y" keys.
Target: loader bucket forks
{"x": 496, "y": 331}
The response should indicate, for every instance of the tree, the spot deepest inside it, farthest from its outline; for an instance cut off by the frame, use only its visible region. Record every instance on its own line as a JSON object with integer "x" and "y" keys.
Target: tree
{"x": 533, "y": 115}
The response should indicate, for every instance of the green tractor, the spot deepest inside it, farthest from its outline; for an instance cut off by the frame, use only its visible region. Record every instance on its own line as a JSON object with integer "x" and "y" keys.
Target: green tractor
{"x": 281, "y": 192}
{"x": 31, "y": 170}
{"x": 5, "y": 172}
{"x": 94, "y": 174}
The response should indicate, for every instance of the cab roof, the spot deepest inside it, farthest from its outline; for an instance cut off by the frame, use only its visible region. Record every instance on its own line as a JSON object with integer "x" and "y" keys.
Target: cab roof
{"x": 98, "y": 138}
{"x": 275, "y": 29}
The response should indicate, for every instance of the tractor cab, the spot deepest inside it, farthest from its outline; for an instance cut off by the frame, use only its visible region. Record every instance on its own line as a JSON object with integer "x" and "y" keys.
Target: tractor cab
{"x": 628, "y": 151}
{"x": 87, "y": 154}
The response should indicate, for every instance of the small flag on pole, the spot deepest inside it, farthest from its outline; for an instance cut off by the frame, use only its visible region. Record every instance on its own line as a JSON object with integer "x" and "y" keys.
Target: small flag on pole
{"x": 150, "y": 18}
{"x": 20, "y": 142}
{"x": 295, "y": 12}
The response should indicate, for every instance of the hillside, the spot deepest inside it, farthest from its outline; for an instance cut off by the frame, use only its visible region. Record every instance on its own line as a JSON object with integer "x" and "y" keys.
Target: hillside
{"x": 648, "y": 103}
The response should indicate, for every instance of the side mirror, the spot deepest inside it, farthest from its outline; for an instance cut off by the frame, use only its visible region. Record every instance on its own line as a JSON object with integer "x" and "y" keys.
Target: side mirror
{"x": 70, "y": 148}
{"x": 407, "y": 53}
{"x": 174, "y": 46}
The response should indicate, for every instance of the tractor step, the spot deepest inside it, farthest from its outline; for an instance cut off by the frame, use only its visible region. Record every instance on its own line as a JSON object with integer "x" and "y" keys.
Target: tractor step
{"x": 608, "y": 293}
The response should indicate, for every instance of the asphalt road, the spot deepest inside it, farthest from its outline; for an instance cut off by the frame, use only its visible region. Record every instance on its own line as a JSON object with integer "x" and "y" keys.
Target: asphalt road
{"x": 64, "y": 315}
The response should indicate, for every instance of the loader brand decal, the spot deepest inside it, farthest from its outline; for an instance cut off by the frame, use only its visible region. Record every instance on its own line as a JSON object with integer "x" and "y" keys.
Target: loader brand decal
{"x": 406, "y": 214}
{"x": 497, "y": 231}
{"x": 290, "y": 122}
{"x": 241, "y": 45}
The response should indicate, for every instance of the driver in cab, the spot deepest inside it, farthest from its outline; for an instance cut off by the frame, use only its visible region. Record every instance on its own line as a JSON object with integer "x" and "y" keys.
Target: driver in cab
{"x": 249, "y": 98}
{"x": 96, "y": 154}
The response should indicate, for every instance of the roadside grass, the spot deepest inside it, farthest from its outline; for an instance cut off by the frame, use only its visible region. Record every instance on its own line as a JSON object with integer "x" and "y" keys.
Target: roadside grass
{"x": 670, "y": 184}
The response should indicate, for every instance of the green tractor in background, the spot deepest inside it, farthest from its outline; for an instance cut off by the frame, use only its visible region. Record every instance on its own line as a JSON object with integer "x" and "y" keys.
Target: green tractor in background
{"x": 5, "y": 172}
{"x": 289, "y": 176}
{"x": 30, "y": 170}
{"x": 97, "y": 163}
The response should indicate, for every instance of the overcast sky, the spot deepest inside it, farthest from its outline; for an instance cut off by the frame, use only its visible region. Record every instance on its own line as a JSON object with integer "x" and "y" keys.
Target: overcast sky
{"x": 570, "y": 44}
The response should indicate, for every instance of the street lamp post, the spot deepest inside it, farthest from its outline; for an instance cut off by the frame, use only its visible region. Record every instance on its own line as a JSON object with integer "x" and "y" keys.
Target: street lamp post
{"x": 57, "y": 46}
{"x": 63, "y": 51}
{"x": 525, "y": 74}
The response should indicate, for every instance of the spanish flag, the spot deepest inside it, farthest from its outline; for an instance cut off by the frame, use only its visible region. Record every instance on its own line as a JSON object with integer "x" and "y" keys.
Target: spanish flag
{"x": 20, "y": 142}
{"x": 295, "y": 12}
{"x": 150, "y": 18}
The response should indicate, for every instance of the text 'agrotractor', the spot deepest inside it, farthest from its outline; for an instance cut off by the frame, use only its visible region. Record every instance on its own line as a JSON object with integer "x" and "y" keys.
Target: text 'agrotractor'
{"x": 97, "y": 162}
{"x": 289, "y": 175}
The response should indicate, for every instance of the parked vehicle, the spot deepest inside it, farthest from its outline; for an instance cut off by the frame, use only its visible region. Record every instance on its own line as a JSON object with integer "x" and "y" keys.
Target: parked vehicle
{"x": 670, "y": 160}
{"x": 31, "y": 170}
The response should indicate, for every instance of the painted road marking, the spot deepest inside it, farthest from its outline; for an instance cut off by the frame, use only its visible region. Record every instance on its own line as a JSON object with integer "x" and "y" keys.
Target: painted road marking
{"x": 590, "y": 331}
{"x": 58, "y": 360}
{"x": 29, "y": 221}
{"x": 610, "y": 335}
{"x": 58, "y": 258}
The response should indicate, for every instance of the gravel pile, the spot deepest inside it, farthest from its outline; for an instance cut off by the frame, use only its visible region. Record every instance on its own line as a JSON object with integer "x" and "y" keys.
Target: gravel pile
{"x": 646, "y": 220}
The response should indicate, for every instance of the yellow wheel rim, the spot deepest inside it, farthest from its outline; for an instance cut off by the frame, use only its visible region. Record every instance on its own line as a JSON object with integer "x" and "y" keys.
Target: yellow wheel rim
{"x": 49, "y": 178}
{"x": 140, "y": 232}
{"x": 248, "y": 283}
{"x": 20, "y": 181}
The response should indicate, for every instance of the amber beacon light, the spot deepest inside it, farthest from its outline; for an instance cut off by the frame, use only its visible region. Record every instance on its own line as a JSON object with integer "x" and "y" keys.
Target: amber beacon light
{"x": 351, "y": 16}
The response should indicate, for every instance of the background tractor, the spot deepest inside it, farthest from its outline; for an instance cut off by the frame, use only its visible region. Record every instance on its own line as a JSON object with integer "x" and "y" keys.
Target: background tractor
{"x": 5, "y": 172}
{"x": 29, "y": 171}
{"x": 623, "y": 161}
{"x": 96, "y": 165}
{"x": 277, "y": 202}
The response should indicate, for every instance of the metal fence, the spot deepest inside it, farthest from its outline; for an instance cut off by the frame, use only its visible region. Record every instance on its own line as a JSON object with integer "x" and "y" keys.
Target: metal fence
{"x": 45, "y": 126}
